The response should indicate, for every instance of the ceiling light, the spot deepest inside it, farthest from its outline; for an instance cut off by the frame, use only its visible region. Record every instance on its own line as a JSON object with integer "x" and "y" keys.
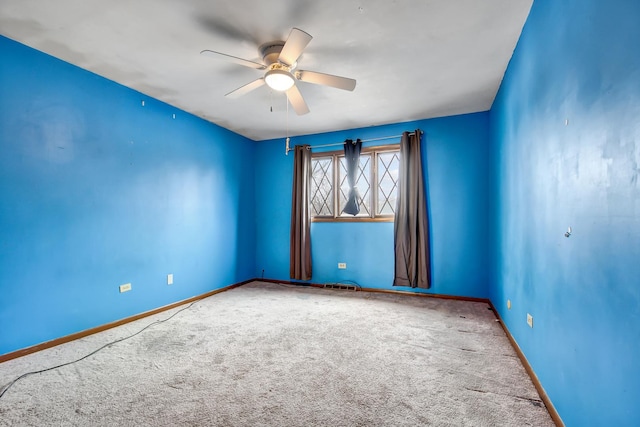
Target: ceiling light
{"x": 280, "y": 80}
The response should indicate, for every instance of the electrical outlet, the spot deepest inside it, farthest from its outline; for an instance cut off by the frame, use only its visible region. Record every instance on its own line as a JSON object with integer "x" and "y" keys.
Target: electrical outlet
{"x": 342, "y": 265}
{"x": 169, "y": 279}
{"x": 125, "y": 288}
{"x": 508, "y": 304}
{"x": 530, "y": 320}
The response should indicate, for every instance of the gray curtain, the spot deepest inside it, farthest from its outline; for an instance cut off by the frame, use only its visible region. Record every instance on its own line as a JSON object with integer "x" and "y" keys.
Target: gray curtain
{"x": 352, "y": 159}
{"x": 411, "y": 227}
{"x": 300, "y": 238}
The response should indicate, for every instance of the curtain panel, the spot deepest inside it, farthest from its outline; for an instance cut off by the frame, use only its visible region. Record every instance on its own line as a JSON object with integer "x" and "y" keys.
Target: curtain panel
{"x": 352, "y": 159}
{"x": 411, "y": 226}
{"x": 300, "y": 236}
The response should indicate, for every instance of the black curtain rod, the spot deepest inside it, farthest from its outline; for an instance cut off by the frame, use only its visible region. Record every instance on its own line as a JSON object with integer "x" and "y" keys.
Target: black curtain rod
{"x": 382, "y": 138}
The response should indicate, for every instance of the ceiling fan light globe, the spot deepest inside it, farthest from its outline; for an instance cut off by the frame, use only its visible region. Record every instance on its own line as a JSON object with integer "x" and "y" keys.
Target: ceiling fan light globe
{"x": 279, "y": 80}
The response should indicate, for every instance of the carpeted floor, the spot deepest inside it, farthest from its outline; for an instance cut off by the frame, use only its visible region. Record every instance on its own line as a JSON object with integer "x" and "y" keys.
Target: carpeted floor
{"x": 276, "y": 355}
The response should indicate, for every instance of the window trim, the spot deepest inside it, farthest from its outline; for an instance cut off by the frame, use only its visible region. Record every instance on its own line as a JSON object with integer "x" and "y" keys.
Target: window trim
{"x": 336, "y": 154}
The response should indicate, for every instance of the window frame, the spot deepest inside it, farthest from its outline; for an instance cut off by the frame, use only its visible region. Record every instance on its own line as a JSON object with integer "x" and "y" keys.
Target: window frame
{"x": 373, "y": 188}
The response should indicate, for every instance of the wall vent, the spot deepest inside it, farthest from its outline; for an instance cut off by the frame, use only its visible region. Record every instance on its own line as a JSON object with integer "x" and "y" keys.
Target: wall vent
{"x": 340, "y": 286}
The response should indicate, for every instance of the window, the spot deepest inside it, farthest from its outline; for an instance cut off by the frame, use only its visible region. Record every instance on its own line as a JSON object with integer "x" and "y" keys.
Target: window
{"x": 376, "y": 182}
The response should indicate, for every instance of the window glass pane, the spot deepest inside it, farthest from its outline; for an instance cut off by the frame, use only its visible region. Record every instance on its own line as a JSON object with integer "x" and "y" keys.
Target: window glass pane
{"x": 376, "y": 180}
{"x": 388, "y": 167}
{"x": 322, "y": 186}
{"x": 363, "y": 185}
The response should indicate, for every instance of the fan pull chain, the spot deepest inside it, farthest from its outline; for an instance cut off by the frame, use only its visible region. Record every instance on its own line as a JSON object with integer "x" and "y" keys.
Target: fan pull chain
{"x": 286, "y": 146}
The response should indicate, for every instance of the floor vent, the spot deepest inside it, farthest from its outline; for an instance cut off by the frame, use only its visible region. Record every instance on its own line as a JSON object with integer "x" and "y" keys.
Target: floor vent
{"x": 340, "y": 286}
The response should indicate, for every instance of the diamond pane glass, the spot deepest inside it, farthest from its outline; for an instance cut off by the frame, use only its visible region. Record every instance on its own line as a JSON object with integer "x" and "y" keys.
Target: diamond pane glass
{"x": 363, "y": 186}
{"x": 322, "y": 186}
{"x": 388, "y": 169}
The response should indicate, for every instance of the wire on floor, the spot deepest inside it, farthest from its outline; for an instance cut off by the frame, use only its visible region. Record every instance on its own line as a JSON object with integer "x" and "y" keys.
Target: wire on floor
{"x": 8, "y": 386}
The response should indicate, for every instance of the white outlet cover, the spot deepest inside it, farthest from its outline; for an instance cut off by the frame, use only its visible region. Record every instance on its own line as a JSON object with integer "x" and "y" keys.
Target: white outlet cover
{"x": 530, "y": 320}
{"x": 169, "y": 279}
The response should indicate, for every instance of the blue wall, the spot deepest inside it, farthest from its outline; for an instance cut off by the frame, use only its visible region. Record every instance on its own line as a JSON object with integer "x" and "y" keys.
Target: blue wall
{"x": 577, "y": 60}
{"x": 456, "y": 158}
{"x": 97, "y": 191}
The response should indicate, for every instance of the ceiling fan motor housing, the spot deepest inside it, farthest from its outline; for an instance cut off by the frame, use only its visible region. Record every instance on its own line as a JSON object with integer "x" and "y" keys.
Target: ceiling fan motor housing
{"x": 271, "y": 51}
{"x": 278, "y": 76}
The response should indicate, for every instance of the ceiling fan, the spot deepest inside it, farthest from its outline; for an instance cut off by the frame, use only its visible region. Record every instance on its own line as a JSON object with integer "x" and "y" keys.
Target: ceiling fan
{"x": 280, "y": 62}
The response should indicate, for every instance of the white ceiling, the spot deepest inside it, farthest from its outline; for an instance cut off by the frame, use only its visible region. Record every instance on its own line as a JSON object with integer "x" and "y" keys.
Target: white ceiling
{"x": 412, "y": 59}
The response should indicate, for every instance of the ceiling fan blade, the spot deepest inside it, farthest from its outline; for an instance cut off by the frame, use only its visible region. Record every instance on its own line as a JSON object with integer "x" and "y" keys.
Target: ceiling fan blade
{"x": 326, "y": 80}
{"x": 243, "y": 90}
{"x": 293, "y": 47}
{"x": 297, "y": 101}
{"x": 225, "y": 29}
{"x": 234, "y": 59}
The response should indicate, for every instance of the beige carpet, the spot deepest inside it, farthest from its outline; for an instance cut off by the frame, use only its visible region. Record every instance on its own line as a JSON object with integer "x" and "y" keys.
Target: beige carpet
{"x": 276, "y": 355}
